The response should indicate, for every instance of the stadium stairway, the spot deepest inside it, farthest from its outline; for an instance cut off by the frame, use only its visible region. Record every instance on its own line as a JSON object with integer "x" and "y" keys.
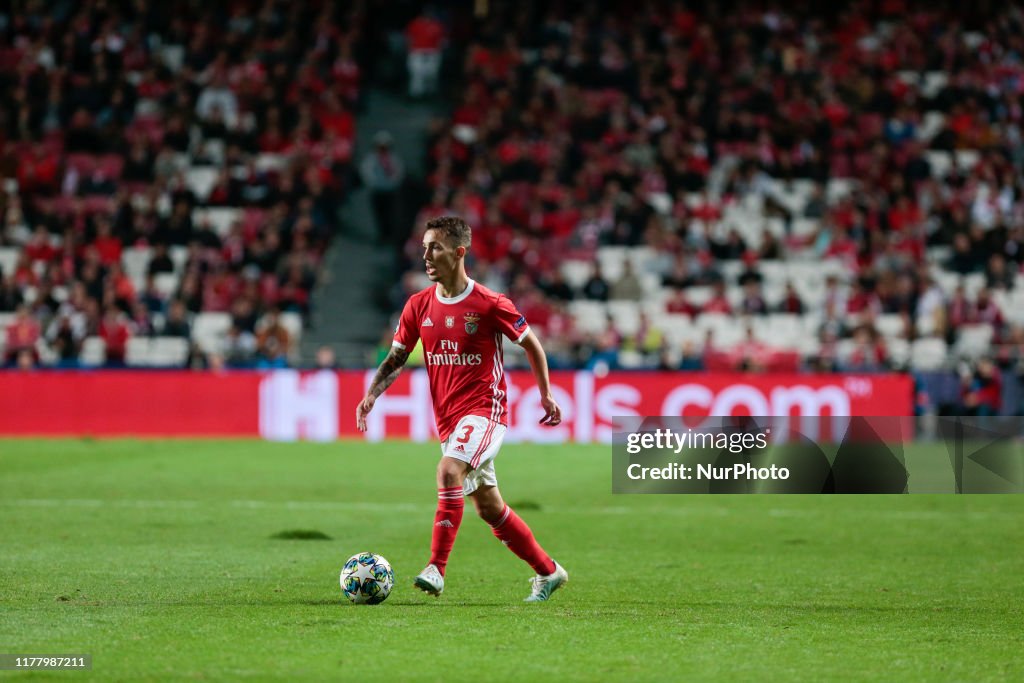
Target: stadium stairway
{"x": 351, "y": 302}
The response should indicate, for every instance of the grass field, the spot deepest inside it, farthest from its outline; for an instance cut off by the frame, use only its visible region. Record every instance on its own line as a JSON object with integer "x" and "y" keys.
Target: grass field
{"x": 158, "y": 558}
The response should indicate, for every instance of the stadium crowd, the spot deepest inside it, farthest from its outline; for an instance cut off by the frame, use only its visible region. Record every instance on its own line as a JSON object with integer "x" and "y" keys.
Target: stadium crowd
{"x": 121, "y": 121}
{"x": 899, "y": 121}
{"x": 162, "y": 161}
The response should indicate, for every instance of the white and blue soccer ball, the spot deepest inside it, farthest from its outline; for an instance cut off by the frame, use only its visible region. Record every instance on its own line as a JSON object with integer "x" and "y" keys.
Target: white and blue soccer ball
{"x": 367, "y": 579}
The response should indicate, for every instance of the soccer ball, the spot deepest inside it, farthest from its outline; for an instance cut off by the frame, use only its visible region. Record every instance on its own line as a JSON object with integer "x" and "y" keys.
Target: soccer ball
{"x": 367, "y": 579}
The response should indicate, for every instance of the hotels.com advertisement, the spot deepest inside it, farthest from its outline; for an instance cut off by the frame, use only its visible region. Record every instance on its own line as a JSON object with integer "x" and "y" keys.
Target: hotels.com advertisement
{"x": 289, "y": 405}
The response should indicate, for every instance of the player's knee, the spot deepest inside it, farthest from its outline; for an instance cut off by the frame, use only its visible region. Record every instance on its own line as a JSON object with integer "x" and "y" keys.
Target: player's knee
{"x": 489, "y": 511}
{"x": 450, "y": 472}
{"x": 489, "y": 505}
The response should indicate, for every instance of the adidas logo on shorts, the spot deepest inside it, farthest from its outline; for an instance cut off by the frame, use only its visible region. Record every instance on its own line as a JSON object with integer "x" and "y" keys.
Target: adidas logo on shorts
{"x": 460, "y": 449}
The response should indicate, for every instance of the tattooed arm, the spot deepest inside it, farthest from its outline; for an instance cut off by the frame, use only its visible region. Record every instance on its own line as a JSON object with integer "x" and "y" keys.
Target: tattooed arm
{"x": 387, "y": 373}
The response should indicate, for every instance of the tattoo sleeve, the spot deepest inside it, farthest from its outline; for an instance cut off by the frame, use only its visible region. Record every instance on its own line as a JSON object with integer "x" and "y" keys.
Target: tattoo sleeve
{"x": 388, "y": 371}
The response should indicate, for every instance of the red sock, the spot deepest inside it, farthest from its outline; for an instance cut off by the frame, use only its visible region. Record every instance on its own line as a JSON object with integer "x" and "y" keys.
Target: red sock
{"x": 516, "y": 535}
{"x": 447, "y": 519}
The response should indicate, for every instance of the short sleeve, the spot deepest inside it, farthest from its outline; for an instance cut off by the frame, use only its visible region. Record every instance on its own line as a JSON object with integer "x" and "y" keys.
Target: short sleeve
{"x": 408, "y": 332}
{"x": 510, "y": 321}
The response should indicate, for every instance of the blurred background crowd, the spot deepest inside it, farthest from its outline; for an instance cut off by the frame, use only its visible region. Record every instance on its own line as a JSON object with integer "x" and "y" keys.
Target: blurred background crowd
{"x": 727, "y": 186}
{"x": 166, "y": 160}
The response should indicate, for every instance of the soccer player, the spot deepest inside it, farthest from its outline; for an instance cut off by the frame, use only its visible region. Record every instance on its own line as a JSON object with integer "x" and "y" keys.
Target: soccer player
{"x": 461, "y": 324}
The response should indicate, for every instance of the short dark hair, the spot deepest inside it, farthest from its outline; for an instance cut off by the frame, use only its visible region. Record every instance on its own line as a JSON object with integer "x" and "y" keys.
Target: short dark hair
{"x": 455, "y": 230}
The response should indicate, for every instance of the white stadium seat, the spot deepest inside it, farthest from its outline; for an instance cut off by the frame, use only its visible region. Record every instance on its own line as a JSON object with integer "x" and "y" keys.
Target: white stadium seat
{"x": 179, "y": 256}
{"x": 626, "y": 315}
{"x": 168, "y": 351}
{"x": 221, "y": 218}
{"x": 575, "y": 272}
{"x": 611, "y": 260}
{"x": 8, "y": 259}
{"x": 137, "y": 351}
{"x": 891, "y": 325}
{"x": 157, "y": 351}
{"x": 166, "y": 284}
{"x": 941, "y": 163}
{"x": 135, "y": 261}
{"x": 974, "y": 341}
{"x": 590, "y": 316}
{"x": 928, "y": 354}
{"x": 201, "y": 179}
{"x": 293, "y": 323}
{"x": 271, "y": 162}
{"x": 966, "y": 159}
{"x": 898, "y": 351}
{"x": 209, "y": 328}
{"x": 94, "y": 351}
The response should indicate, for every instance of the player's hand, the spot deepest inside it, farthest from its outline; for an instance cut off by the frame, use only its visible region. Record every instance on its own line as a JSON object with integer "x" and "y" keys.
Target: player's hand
{"x": 363, "y": 409}
{"x": 552, "y": 413}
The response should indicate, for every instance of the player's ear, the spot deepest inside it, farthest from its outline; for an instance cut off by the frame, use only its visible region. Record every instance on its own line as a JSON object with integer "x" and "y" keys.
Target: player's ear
{"x": 461, "y": 251}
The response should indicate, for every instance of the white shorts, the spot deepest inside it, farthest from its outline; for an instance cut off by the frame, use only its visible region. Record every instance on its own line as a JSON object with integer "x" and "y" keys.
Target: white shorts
{"x": 475, "y": 440}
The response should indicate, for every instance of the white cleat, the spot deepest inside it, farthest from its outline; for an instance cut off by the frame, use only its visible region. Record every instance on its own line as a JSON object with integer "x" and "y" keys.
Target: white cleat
{"x": 544, "y": 586}
{"x": 430, "y": 581}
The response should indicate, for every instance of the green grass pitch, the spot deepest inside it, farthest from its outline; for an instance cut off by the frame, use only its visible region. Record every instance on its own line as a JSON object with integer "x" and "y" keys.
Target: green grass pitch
{"x": 158, "y": 558}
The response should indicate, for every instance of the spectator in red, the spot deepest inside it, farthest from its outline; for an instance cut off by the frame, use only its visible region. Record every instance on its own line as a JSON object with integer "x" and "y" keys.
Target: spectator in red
{"x": 869, "y": 352}
{"x": 24, "y": 274}
{"x": 22, "y": 334}
{"x": 678, "y": 304}
{"x": 108, "y": 246}
{"x": 561, "y": 329}
{"x": 40, "y": 247}
{"x": 863, "y": 299}
{"x": 904, "y": 215}
{"x": 986, "y": 311}
{"x": 121, "y": 284}
{"x": 534, "y": 306}
{"x": 333, "y": 117}
{"x": 751, "y": 354}
{"x": 425, "y": 38}
{"x": 718, "y": 303}
{"x": 115, "y": 331}
{"x": 791, "y": 301}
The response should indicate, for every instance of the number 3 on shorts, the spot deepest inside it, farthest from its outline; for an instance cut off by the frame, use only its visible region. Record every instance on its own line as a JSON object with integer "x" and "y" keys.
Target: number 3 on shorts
{"x": 466, "y": 434}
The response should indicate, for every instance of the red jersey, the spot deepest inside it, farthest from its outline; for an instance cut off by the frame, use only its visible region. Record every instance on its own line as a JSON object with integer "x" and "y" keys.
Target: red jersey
{"x": 424, "y": 35}
{"x": 462, "y": 347}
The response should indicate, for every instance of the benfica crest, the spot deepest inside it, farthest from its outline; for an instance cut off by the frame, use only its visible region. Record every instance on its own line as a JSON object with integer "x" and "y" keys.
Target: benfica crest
{"x": 449, "y": 321}
{"x": 471, "y": 322}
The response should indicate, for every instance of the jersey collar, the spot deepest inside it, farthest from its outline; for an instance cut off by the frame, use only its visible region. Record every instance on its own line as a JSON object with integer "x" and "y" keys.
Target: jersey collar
{"x": 454, "y": 299}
